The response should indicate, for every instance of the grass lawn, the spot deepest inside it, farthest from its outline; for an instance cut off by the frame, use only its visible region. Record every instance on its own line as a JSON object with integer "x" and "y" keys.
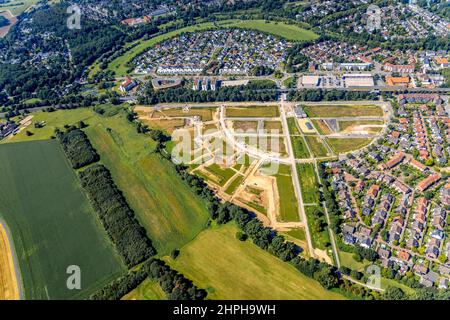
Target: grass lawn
{"x": 288, "y": 200}
{"x": 231, "y": 269}
{"x": 297, "y": 234}
{"x": 299, "y": 147}
{"x": 331, "y": 111}
{"x": 52, "y": 223}
{"x": 318, "y": 149}
{"x": 234, "y": 184}
{"x": 147, "y": 290}
{"x": 53, "y": 120}
{"x": 223, "y": 174}
{"x": 343, "y": 145}
{"x": 308, "y": 182}
{"x": 253, "y": 111}
{"x": 348, "y": 261}
{"x": 319, "y": 239}
{"x": 293, "y": 129}
{"x": 286, "y": 31}
{"x": 165, "y": 206}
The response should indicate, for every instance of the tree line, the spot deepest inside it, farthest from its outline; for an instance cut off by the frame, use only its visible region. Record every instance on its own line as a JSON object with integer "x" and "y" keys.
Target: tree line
{"x": 253, "y": 91}
{"x": 77, "y": 147}
{"x": 330, "y": 95}
{"x": 175, "y": 285}
{"x": 128, "y": 236}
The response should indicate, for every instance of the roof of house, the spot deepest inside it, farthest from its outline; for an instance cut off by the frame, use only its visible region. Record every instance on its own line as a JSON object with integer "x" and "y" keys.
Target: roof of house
{"x": 427, "y": 182}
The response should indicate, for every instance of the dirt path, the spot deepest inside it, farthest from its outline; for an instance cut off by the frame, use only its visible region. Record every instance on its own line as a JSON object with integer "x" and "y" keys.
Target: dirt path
{"x": 9, "y": 287}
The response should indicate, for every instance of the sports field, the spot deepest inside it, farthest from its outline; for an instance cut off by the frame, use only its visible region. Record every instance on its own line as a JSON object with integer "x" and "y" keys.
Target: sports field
{"x": 52, "y": 223}
{"x": 337, "y": 111}
{"x": 231, "y": 269}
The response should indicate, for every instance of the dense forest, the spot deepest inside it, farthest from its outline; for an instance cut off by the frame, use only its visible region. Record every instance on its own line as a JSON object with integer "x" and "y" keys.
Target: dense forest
{"x": 77, "y": 147}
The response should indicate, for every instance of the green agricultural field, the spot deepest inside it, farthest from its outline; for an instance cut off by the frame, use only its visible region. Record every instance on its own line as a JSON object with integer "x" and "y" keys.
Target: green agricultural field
{"x": 308, "y": 182}
{"x": 231, "y": 269}
{"x": 338, "y": 111}
{"x": 52, "y": 223}
{"x": 317, "y": 147}
{"x": 286, "y": 192}
{"x": 343, "y": 145}
{"x": 165, "y": 206}
{"x": 253, "y": 111}
{"x": 147, "y": 290}
{"x": 299, "y": 147}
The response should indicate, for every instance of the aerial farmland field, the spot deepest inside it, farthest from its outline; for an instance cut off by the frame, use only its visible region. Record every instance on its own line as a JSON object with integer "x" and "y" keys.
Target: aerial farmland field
{"x": 165, "y": 206}
{"x": 52, "y": 223}
{"x": 211, "y": 259}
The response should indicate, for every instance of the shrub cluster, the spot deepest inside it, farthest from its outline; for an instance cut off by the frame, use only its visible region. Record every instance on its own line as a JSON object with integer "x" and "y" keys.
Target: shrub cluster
{"x": 117, "y": 217}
